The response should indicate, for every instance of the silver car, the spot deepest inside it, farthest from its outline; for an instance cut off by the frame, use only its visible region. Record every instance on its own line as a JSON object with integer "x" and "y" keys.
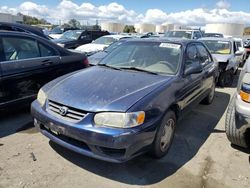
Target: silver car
{"x": 238, "y": 113}
{"x": 226, "y": 52}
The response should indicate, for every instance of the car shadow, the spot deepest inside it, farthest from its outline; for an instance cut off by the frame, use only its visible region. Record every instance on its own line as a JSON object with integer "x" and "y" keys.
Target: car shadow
{"x": 191, "y": 133}
{"x": 15, "y": 120}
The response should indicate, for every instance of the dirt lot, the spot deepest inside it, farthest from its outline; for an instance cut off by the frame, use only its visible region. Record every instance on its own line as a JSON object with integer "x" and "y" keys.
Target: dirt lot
{"x": 201, "y": 156}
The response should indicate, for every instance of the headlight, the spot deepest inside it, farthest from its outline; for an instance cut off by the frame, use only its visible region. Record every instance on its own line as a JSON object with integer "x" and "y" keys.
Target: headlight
{"x": 62, "y": 45}
{"x": 120, "y": 120}
{"x": 41, "y": 97}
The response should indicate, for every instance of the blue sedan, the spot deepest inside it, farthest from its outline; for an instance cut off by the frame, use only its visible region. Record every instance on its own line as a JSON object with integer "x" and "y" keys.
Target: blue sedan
{"x": 129, "y": 103}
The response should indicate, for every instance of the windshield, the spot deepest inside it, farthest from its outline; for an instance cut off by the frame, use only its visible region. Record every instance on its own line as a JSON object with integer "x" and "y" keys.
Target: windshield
{"x": 105, "y": 40}
{"x": 113, "y": 46}
{"x": 71, "y": 34}
{"x": 218, "y": 47}
{"x": 155, "y": 57}
{"x": 179, "y": 34}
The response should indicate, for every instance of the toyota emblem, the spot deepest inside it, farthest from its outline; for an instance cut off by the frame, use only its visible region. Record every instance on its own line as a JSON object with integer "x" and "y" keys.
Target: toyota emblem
{"x": 63, "y": 110}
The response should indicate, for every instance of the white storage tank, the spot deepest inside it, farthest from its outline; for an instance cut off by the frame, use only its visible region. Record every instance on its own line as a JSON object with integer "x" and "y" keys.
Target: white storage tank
{"x": 113, "y": 27}
{"x": 144, "y": 28}
{"x": 227, "y": 29}
{"x": 161, "y": 28}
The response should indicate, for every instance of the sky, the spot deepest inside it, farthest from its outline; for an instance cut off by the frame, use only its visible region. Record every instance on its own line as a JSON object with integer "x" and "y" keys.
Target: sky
{"x": 185, "y": 12}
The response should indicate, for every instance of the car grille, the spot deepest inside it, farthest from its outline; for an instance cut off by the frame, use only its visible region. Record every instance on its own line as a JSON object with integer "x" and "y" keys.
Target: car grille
{"x": 72, "y": 114}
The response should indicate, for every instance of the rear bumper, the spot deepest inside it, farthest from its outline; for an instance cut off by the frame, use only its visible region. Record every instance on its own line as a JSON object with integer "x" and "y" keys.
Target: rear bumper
{"x": 109, "y": 144}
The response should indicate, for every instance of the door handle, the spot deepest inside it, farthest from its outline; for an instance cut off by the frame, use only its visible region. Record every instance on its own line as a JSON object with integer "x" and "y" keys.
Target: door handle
{"x": 47, "y": 62}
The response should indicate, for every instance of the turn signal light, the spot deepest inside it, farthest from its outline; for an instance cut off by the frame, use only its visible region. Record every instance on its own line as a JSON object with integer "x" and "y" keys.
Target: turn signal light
{"x": 245, "y": 96}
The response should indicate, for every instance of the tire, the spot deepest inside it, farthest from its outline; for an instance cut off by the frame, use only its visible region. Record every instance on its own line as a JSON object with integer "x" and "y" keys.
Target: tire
{"x": 234, "y": 135}
{"x": 162, "y": 140}
{"x": 226, "y": 78}
{"x": 210, "y": 97}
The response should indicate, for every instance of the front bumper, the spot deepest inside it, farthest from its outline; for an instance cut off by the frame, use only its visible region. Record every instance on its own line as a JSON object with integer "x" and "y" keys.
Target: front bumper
{"x": 109, "y": 144}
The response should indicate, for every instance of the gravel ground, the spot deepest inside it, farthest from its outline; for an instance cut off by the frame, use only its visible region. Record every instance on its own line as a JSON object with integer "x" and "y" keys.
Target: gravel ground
{"x": 201, "y": 156}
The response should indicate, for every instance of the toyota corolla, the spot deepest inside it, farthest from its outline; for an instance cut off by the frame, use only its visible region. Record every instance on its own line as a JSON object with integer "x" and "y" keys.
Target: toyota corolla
{"x": 129, "y": 103}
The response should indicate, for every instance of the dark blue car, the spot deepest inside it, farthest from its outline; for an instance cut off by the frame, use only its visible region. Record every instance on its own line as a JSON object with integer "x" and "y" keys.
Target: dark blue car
{"x": 129, "y": 103}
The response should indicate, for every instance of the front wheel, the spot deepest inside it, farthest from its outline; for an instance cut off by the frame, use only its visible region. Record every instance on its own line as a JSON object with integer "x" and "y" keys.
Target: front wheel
{"x": 164, "y": 135}
{"x": 226, "y": 78}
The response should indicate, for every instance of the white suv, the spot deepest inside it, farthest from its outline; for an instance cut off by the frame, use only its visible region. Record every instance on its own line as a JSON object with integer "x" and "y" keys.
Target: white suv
{"x": 238, "y": 113}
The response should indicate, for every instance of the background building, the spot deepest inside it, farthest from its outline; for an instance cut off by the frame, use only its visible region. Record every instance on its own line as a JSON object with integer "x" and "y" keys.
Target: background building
{"x": 10, "y": 18}
{"x": 144, "y": 28}
{"x": 227, "y": 29}
{"x": 113, "y": 27}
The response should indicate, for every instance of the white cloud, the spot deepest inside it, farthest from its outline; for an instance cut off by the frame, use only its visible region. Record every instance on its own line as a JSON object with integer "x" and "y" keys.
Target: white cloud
{"x": 223, "y": 4}
{"x": 115, "y": 12}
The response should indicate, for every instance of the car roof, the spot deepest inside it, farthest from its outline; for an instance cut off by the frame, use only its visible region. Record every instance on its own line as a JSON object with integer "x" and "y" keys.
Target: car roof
{"x": 117, "y": 36}
{"x": 216, "y": 39}
{"x": 165, "y": 39}
{"x": 31, "y": 29}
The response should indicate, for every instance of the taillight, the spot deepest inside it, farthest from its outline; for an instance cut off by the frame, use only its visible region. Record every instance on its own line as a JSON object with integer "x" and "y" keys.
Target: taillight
{"x": 86, "y": 62}
{"x": 245, "y": 92}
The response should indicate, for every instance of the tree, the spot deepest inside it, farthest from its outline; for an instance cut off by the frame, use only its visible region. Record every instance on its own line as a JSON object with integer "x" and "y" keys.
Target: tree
{"x": 74, "y": 23}
{"x": 129, "y": 29}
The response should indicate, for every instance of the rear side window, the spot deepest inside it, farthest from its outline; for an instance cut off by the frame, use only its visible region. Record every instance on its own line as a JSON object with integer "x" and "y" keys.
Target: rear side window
{"x": 46, "y": 51}
{"x": 19, "y": 48}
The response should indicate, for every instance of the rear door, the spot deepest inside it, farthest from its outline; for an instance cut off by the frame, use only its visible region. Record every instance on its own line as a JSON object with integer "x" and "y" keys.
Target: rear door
{"x": 27, "y": 65}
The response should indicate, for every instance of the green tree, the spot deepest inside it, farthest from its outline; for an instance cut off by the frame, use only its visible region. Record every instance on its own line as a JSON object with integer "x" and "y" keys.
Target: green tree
{"x": 74, "y": 23}
{"x": 129, "y": 29}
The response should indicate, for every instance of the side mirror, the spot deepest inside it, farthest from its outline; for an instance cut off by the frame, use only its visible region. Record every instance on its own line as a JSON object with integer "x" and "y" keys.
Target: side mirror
{"x": 192, "y": 68}
{"x": 238, "y": 53}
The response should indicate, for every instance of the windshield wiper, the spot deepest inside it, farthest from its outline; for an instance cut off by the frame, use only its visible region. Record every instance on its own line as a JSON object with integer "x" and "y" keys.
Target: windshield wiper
{"x": 111, "y": 67}
{"x": 138, "y": 69}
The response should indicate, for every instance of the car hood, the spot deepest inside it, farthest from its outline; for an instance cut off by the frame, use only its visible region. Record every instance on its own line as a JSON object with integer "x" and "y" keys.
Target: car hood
{"x": 222, "y": 58}
{"x": 91, "y": 47}
{"x": 98, "y": 89}
{"x": 97, "y": 57}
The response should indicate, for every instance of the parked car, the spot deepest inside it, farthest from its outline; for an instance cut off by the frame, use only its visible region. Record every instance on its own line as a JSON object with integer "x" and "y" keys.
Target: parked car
{"x": 219, "y": 35}
{"x": 27, "y": 62}
{"x": 97, "y": 57}
{"x": 100, "y": 44}
{"x": 247, "y": 48}
{"x": 73, "y": 38}
{"x": 240, "y": 46}
{"x": 238, "y": 113}
{"x": 57, "y": 32}
{"x": 139, "y": 91}
{"x": 227, "y": 54}
{"x": 185, "y": 34}
{"x": 6, "y": 26}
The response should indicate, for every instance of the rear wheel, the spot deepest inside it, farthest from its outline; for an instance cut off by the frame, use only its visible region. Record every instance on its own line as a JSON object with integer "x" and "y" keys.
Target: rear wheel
{"x": 164, "y": 135}
{"x": 226, "y": 78}
{"x": 234, "y": 135}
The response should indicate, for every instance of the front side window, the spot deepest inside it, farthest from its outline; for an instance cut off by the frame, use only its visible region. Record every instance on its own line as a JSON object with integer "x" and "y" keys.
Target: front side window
{"x": 156, "y": 57}
{"x": 204, "y": 56}
{"x": 218, "y": 47}
{"x": 19, "y": 48}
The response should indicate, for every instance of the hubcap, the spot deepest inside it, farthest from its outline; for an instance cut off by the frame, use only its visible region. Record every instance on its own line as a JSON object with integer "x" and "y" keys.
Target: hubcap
{"x": 167, "y": 135}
